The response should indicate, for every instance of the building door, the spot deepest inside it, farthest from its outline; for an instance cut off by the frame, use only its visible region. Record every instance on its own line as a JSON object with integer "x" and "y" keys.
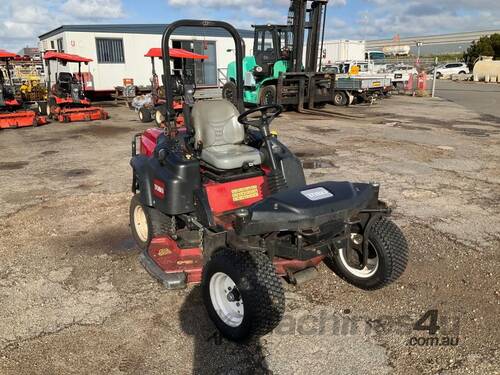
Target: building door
{"x": 203, "y": 72}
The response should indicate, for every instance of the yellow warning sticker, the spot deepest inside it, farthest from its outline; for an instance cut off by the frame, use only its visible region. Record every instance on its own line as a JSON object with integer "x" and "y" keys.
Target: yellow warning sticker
{"x": 246, "y": 192}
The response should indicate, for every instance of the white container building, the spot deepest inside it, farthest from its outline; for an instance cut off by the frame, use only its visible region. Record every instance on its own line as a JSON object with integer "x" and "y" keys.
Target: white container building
{"x": 343, "y": 50}
{"x": 118, "y": 52}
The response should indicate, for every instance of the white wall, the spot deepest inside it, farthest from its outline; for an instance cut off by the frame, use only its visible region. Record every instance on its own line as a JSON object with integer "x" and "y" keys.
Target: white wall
{"x": 136, "y": 66}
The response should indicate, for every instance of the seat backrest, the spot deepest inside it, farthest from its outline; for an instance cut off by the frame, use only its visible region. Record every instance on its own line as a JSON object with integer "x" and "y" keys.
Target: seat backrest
{"x": 215, "y": 123}
{"x": 65, "y": 77}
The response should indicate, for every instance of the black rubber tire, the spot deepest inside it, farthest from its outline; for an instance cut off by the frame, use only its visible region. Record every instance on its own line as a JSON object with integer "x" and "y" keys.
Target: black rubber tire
{"x": 157, "y": 116}
{"x": 145, "y": 115}
{"x": 229, "y": 92}
{"x": 392, "y": 250}
{"x": 260, "y": 288}
{"x": 157, "y": 222}
{"x": 42, "y": 108}
{"x": 462, "y": 72}
{"x": 267, "y": 95}
{"x": 340, "y": 98}
{"x": 438, "y": 75}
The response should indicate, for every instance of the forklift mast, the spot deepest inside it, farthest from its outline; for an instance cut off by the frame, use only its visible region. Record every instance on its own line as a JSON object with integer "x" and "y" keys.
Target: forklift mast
{"x": 302, "y": 17}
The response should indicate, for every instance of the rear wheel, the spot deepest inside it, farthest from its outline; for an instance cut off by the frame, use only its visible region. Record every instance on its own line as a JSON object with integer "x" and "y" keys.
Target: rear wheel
{"x": 387, "y": 257}
{"x": 340, "y": 98}
{"x": 146, "y": 222}
{"x": 242, "y": 294}
{"x": 229, "y": 92}
{"x": 145, "y": 115}
{"x": 267, "y": 95}
{"x": 461, "y": 72}
{"x": 438, "y": 75}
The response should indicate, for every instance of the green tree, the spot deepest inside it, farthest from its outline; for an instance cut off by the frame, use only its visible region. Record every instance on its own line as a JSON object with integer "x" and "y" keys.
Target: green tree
{"x": 485, "y": 46}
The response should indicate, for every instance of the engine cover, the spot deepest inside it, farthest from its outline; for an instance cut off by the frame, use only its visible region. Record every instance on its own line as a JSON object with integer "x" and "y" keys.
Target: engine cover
{"x": 307, "y": 207}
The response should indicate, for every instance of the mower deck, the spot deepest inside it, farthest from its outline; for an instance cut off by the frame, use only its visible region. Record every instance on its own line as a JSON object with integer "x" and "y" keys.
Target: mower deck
{"x": 21, "y": 119}
{"x": 176, "y": 267}
{"x": 79, "y": 114}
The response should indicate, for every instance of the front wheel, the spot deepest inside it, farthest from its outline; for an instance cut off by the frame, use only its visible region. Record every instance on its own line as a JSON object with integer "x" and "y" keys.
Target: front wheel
{"x": 387, "y": 257}
{"x": 268, "y": 95}
{"x": 242, "y": 293}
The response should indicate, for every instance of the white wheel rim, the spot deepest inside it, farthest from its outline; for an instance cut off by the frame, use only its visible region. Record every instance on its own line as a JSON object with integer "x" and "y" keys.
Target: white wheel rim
{"x": 48, "y": 109}
{"x": 159, "y": 117}
{"x": 141, "y": 116}
{"x": 231, "y": 312}
{"x": 140, "y": 223}
{"x": 367, "y": 271}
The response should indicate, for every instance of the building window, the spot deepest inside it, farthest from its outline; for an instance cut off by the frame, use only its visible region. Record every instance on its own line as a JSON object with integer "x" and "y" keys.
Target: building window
{"x": 204, "y": 72}
{"x": 52, "y": 45}
{"x": 110, "y": 51}
{"x": 60, "y": 45}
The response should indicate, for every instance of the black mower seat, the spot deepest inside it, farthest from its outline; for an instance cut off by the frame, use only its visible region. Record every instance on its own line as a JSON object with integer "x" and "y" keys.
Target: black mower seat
{"x": 221, "y": 135}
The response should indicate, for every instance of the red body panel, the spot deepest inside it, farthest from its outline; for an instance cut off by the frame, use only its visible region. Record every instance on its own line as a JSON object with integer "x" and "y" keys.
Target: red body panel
{"x": 148, "y": 141}
{"x": 12, "y": 103}
{"x": 21, "y": 119}
{"x": 172, "y": 259}
{"x": 283, "y": 265}
{"x": 232, "y": 195}
{"x": 69, "y": 100}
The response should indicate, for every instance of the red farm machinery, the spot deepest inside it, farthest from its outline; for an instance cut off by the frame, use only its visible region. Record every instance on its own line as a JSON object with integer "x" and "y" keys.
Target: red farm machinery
{"x": 13, "y": 113}
{"x": 66, "y": 99}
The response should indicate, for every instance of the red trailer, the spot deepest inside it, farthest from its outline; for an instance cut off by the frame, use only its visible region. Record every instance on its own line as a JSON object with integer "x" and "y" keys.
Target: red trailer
{"x": 67, "y": 101}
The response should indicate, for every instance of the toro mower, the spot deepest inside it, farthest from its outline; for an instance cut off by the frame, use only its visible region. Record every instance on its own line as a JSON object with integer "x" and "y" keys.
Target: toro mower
{"x": 151, "y": 111}
{"x": 12, "y": 112}
{"x": 224, "y": 203}
{"x": 66, "y": 99}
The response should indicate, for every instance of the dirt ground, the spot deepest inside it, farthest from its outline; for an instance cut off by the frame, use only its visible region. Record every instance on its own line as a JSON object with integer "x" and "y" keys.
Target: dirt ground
{"x": 75, "y": 300}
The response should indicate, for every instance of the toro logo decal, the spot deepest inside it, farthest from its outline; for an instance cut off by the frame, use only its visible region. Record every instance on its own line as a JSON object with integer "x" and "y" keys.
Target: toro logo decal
{"x": 159, "y": 189}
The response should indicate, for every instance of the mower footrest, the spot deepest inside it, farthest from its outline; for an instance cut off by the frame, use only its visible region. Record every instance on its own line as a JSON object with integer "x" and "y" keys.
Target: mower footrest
{"x": 171, "y": 280}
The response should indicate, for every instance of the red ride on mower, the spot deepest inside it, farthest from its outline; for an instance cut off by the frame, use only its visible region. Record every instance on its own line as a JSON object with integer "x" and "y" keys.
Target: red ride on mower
{"x": 224, "y": 203}
{"x": 12, "y": 112}
{"x": 66, "y": 99}
{"x": 152, "y": 111}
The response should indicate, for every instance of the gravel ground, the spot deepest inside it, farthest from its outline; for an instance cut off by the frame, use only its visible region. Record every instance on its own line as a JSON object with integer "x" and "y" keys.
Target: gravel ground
{"x": 74, "y": 299}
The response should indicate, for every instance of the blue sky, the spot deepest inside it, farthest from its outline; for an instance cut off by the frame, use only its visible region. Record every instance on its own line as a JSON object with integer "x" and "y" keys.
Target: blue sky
{"x": 21, "y": 21}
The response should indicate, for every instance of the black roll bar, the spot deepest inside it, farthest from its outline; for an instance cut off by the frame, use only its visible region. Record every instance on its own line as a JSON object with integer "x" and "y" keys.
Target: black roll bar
{"x": 239, "y": 50}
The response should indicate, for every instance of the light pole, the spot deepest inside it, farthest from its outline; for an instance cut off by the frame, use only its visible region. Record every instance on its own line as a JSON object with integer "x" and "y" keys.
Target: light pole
{"x": 419, "y": 44}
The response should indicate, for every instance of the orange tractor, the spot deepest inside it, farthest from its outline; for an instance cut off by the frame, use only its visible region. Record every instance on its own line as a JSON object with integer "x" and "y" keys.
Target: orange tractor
{"x": 66, "y": 99}
{"x": 13, "y": 113}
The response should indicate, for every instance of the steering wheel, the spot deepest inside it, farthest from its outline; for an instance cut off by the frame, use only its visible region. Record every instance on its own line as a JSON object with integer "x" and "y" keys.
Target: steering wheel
{"x": 267, "y": 115}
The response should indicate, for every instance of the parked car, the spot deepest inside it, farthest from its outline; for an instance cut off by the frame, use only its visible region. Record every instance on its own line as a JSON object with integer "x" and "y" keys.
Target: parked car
{"x": 402, "y": 74}
{"x": 451, "y": 68}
